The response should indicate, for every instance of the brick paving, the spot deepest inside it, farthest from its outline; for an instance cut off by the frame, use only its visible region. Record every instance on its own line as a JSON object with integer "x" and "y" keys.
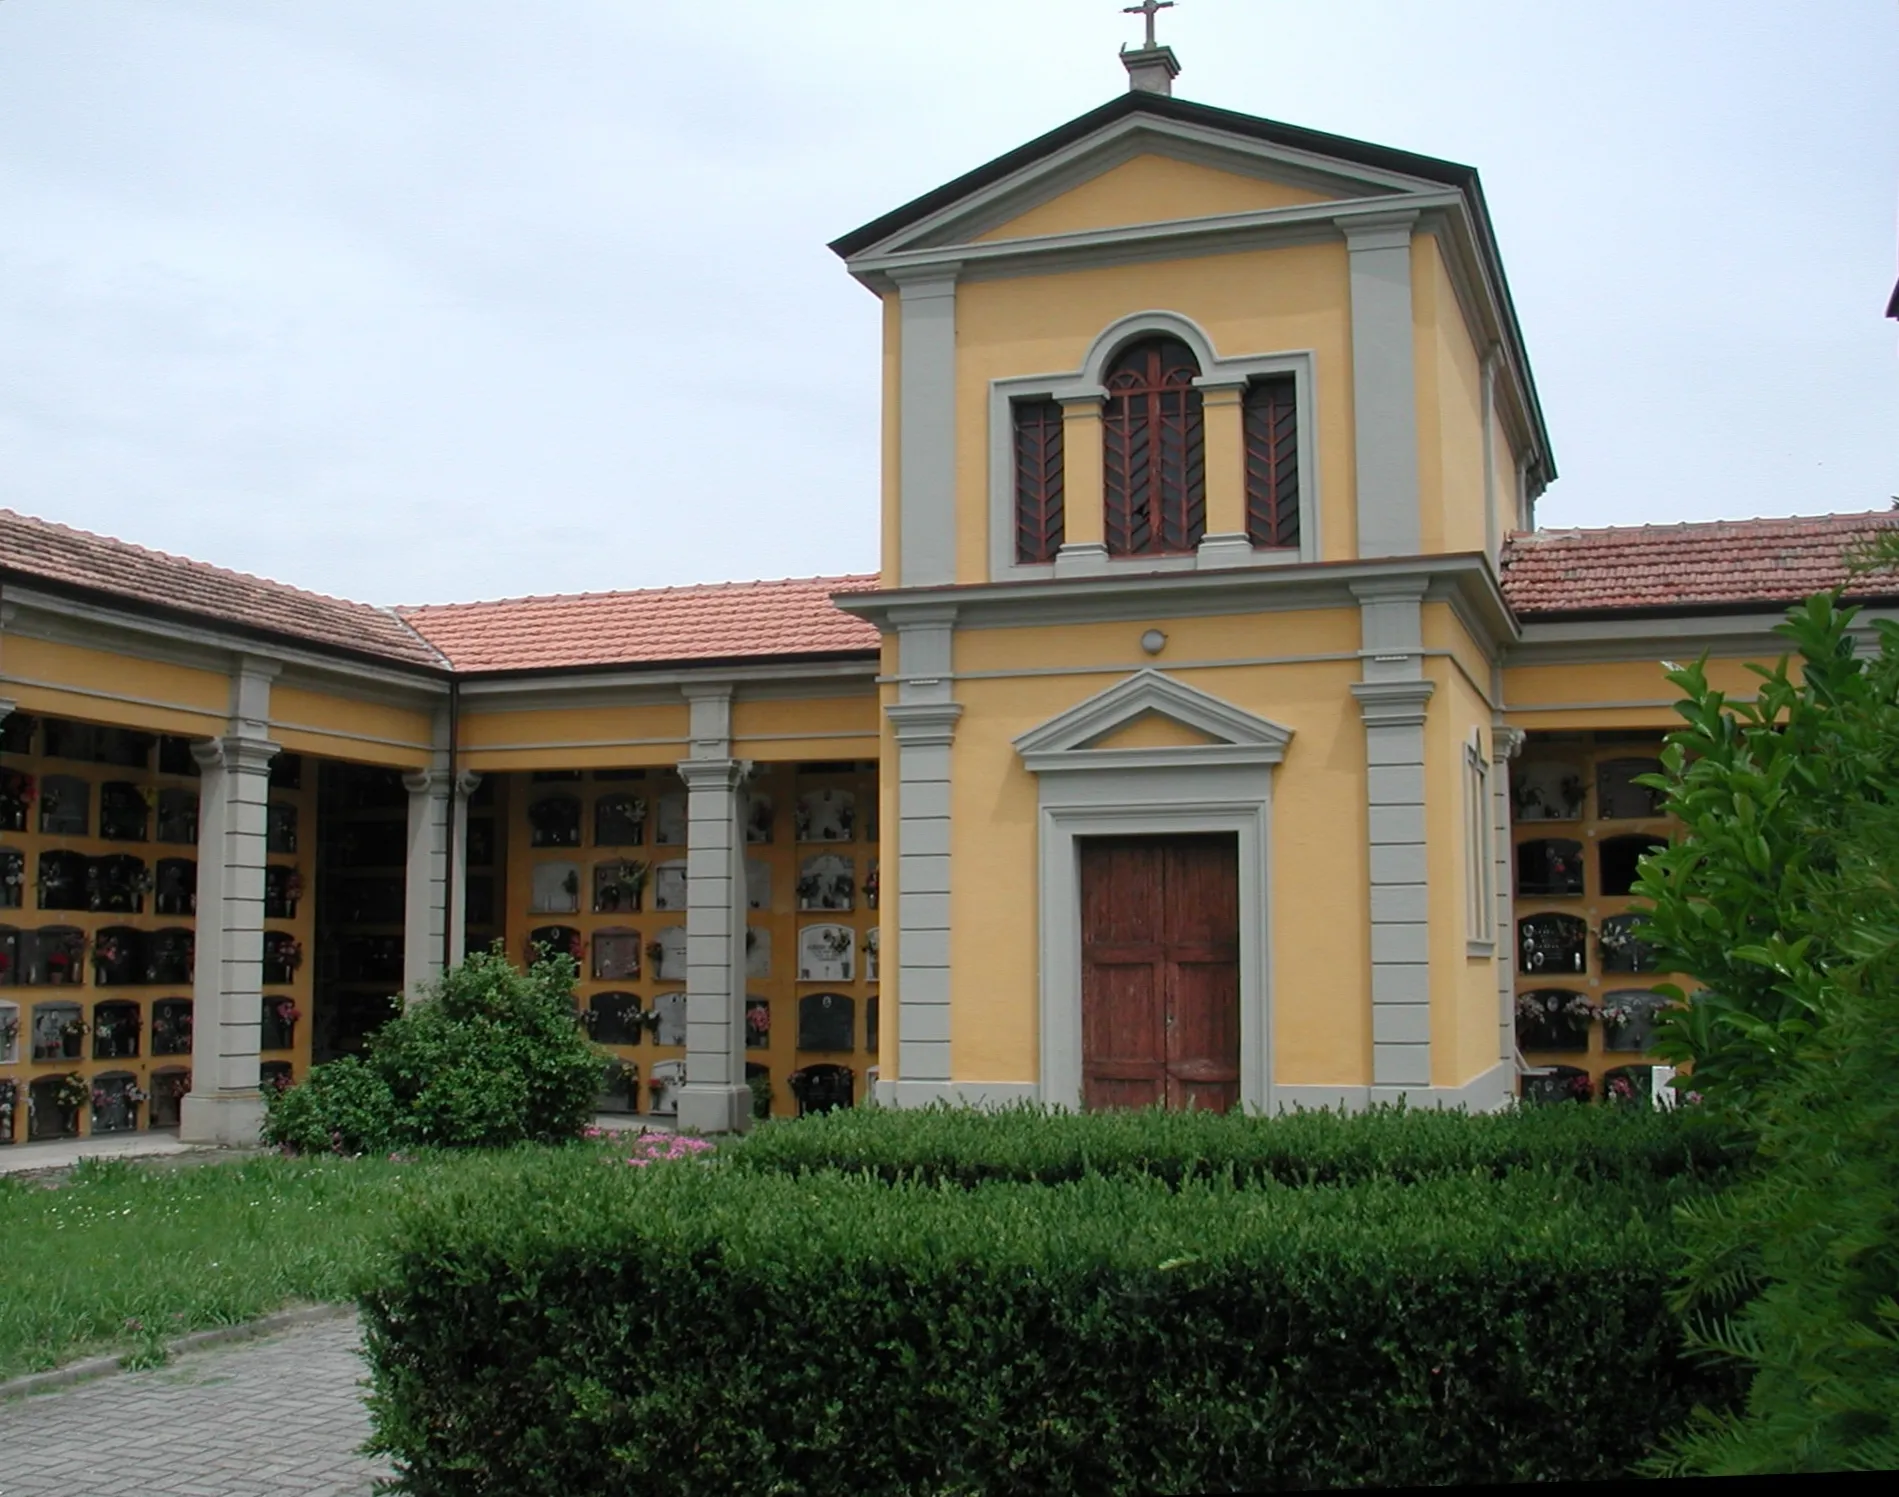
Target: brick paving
{"x": 277, "y": 1417}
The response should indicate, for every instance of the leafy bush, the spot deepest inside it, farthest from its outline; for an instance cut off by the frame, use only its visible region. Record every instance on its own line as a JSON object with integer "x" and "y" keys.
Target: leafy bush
{"x": 1764, "y": 791}
{"x": 966, "y": 1146}
{"x": 491, "y": 1056}
{"x": 694, "y": 1326}
{"x": 1781, "y": 897}
{"x": 344, "y": 1107}
{"x": 1794, "y": 1274}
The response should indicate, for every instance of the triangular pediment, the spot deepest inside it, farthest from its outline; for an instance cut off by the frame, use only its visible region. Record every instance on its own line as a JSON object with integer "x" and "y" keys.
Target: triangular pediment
{"x": 1152, "y": 716}
{"x": 1101, "y": 170}
{"x": 1155, "y": 187}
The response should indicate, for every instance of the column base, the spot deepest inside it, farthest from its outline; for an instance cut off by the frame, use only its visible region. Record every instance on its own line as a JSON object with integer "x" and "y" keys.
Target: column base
{"x": 226, "y": 1120}
{"x": 1224, "y": 551}
{"x": 714, "y": 1108}
{"x": 1082, "y": 559}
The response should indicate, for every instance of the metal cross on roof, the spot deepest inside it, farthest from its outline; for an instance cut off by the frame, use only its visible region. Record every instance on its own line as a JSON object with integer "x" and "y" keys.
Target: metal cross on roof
{"x": 1150, "y": 9}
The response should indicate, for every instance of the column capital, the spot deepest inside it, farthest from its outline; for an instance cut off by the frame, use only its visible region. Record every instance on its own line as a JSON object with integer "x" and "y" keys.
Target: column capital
{"x": 924, "y": 724}
{"x": 427, "y": 782}
{"x": 712, "y": 774}
{"x": 1506, "y": 743}
{"x": 237, "y": 754}
{"x": 7, "y": 708}
{"x": 467, "y": 782}
{"x": 1393, "y": 704}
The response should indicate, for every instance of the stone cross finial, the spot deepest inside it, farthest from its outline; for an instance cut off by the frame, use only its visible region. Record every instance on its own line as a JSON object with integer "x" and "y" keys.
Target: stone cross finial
{"x": 1149, "y": 9}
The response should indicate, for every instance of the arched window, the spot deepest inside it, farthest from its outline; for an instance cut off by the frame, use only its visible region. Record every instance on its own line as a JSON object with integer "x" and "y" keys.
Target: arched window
{"x": 1154, "y": 454}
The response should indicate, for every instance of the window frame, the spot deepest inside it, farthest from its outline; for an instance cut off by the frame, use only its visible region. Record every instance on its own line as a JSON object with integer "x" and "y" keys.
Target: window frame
{"x": 1480, "y": 872}
{"x": 1086, "y": 383}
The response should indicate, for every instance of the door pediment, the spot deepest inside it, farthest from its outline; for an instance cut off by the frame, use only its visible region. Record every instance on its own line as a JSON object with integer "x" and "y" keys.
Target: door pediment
{"x": 1151, "y": 720}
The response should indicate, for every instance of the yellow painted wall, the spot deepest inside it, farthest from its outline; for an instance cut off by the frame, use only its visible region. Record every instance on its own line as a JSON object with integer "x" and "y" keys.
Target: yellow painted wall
{"x": 312, "y": 722}
{"x": 574, "y": 737}
{"x": 1450, "y": 408}
{"x": 838, "y": 727}
{"x": 1266, "y": 301}
{"x": 1321, "y": 1002}
{"x": 1443, "y": 630}
{"x": 1620, "y": 694}
{"x": 1152, "y": 730}
{"x": 1152, "y": 189}
{"x": 62, "y": 680}
{"x": 1463, "y": 988}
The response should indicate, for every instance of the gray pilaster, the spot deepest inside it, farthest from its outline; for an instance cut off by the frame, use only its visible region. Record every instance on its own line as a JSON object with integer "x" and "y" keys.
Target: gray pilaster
{"x": 926, "y": 419}
{"x": 1384, "y": 386}
{"x": 924, "y": 721}
{"x": 224, "y": 1105}
{"x": 715, "y": 1098}
{"x": 425, "y": 893}
{"x": 1392, "y": 700}
{"x": 1505, "y": 745}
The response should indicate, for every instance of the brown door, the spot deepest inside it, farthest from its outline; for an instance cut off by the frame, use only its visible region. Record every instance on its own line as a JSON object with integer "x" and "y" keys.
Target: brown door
{"x": 1160, "y": 986}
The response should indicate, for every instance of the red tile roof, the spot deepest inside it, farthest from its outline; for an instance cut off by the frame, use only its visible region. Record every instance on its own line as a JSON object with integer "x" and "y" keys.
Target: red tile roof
{"x": 1717, "y": 564}
{"x": 77, "y": 558}
{"x": 717, "y": 621}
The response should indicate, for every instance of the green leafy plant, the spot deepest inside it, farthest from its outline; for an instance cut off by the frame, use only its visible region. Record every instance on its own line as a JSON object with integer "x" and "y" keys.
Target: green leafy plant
{"x": 489, "y": 1056}
{"x": 1782, "y": 898}
{"x": 1764, "y": 791}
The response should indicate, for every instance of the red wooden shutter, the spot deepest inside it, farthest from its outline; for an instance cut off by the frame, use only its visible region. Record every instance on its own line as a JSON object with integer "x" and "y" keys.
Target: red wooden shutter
{"x": 1154, "y": 452}
{"x": 1038, "y": 480}
{"x": 1272, "y": 463}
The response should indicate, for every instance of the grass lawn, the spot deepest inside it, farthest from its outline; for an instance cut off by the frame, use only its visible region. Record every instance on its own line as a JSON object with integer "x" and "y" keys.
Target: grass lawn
{"x": 123, "y": 1255}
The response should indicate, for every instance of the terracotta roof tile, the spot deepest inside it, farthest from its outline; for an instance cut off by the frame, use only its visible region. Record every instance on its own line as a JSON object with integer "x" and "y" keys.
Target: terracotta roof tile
{"x": 717, "y": 621}
{"x": 1720, "y": 563}
{"x": 78, "y": 558}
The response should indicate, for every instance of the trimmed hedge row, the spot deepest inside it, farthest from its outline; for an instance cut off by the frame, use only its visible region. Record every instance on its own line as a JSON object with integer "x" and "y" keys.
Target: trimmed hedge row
{"x": 967, "y": 1146}
{"x": 698, "y": 1327}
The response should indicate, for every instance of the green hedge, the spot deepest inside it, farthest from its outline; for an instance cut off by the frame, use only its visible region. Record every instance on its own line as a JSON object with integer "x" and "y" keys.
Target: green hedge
{"x": 698, "y": 1327}
{"x": 1027, "y": 1144}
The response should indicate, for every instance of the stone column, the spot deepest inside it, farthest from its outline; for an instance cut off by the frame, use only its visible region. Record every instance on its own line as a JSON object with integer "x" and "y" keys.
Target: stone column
{"x": 424, "y": 909}
{"x": 1505, "y": 745}
{"x": 1226, "y": 542}
{"x": 224, "y": 1105}
{"x": 715, "y": 1098}
{"x": 1084, "y": 548}
{"x": 1392, "y": 699}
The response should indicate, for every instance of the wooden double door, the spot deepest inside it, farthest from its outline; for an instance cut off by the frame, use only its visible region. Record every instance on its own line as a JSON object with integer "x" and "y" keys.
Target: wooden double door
{"x": 1160, "y": 985}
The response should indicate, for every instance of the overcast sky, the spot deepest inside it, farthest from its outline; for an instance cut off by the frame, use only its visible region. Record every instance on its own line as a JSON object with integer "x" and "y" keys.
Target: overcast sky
{"x": 420, "y": 300}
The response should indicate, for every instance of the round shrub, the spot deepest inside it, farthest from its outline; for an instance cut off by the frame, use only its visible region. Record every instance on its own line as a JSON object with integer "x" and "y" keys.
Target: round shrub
{"x": 345, "y": 1107}
{"x": 489, "y": 1056}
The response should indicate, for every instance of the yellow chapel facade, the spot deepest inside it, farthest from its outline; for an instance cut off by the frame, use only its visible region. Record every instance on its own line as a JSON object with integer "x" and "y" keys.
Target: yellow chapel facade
{"x": 1218, "y": 730}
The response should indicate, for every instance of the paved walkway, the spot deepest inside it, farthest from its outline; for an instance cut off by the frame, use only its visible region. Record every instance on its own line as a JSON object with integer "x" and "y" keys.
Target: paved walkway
{"x": 276, "y": 1417}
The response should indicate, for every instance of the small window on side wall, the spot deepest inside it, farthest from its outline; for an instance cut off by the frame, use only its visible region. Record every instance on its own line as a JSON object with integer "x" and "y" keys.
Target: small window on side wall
{"x": 1272, "y": 463}
{"x": 1038, "y": 480}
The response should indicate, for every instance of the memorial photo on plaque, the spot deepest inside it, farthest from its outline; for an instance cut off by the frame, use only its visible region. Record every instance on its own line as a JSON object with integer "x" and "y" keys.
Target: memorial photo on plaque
{"x": 669, "y": 886}
{"x": 826, "y": 816}
{"x": 175, "y": 890}
{"x": 827, "y": 882}
{"x": 554, "y": 889}
{"x": 825, "y": 953}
